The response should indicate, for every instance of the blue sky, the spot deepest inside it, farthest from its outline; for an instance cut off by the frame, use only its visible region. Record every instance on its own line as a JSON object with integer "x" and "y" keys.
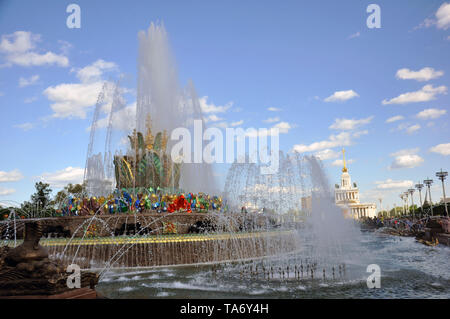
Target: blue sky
{"x": 329, "y": 80}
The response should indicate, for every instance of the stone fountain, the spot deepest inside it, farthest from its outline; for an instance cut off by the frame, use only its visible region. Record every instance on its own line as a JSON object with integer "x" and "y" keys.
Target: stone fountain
{"x": 27, "y": 272}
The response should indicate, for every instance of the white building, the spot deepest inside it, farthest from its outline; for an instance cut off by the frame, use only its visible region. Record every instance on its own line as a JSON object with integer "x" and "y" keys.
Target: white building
{"x": 347, "y": 197}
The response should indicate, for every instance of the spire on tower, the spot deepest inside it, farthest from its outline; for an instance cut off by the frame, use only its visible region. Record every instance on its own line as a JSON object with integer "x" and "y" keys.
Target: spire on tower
{"x": 344, "y": 169}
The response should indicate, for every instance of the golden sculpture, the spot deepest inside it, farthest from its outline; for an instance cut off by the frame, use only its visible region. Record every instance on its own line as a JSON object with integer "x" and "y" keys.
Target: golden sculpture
{"x": 344, "y": 169}
{"x": 149, "y": 165}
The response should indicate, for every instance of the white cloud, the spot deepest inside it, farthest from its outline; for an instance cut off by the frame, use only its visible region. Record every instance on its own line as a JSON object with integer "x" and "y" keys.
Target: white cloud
{"x": 443, "y": 16}
{"x": 36, "y": 59}
{"x": 23, "y": 82}
{"x": 213, "y": 118}
{"x": 12, "y": 176}
{"x": 340, "y": 96}
{"x": 25, "y": 126}
{"x": 273, "y": 109}
{"x": 225, "y": 124}
{"x": 349, "y": 124}
{"x": 72, "y": 100}
{"x": 360, "y": 133}
{"x": 340, "y": 162}
{"x": 18, "y": 42}
{"x": 30, "y": 99}
{"x": 94, "y": 71}
{"x": 284, "y": 127}
{"x": 20, "y": 48}
{"x": 424, "y": 74}
{"x": 408, "y": 128}
{"x": 272, "y": 120}
{"x": 442, "y": 20}
{"x": 237, "y": 123}
{"x": 121, "y": 119}
{"x": 426, "y": 24}
{"x": 425, "y": 94}
{"x": 443, "y": 149}
{"x": 394, "y": 119}
{"x": 341, "y": 139}
{"x": 63, "y": 177}
{"x": 326, "y": 154}
{"x": 211, "y": 107}
{"x": 221, "y": 125}
{"x": 6, "y": 191}
{"x": 391, "y": 184}
{"x": 406, "y": 158}
{"x": 430, "y": 114}
{"x": 354, "y": 35}
{"x": 65, "y": 46}
{"x": 413, "y": 128}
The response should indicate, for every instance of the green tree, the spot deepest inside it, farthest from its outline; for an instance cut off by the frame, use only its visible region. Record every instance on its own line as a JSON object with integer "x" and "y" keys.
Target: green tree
{"x": 40, "y": 204}
{"x": 77, "y": 190}
{"x": 42, "y": 196}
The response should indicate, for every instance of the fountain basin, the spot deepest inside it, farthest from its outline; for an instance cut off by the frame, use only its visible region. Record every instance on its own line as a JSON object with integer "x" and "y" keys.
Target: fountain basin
{"x": 166, "y": 250}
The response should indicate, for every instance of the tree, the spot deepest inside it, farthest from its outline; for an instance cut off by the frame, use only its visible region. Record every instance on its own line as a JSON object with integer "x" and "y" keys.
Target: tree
{"x": 42, "y": 196}
{"x": 40, "y": 204}
{"x": 77, "y": 190}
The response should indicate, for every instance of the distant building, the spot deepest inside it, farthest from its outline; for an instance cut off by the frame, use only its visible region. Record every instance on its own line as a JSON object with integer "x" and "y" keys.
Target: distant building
{"x": 307, "y": 204}
{"x": 347, "y": 197}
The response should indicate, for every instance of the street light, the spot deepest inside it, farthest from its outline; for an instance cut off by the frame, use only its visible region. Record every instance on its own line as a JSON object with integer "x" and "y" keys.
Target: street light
{"x": 442, "y": 175}
{"x": 411, "y": 192}
{"x": 402, "y": 196}
{"x": 381, "y": 206}
{"x": 406, "y": 201}
{"x": 419, "y": 186}
{"x": 428, "y": 183}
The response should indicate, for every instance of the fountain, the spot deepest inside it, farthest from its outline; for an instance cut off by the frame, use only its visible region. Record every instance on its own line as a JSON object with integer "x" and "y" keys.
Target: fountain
{"x": 27, "y": 271}
{"x": 141, "y": 208}
{"x": 259, "y": 232}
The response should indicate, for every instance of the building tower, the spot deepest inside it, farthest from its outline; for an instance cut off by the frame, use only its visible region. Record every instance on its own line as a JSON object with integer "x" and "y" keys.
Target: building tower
{"x": 347, "y": 196}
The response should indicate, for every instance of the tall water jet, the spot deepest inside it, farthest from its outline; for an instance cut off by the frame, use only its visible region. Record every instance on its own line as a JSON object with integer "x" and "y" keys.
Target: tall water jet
{"x": 160, "y": 96}
{"x": 98, "y": 173}
{"x": 161, "y": 104}
{"x": 332, "y": 235}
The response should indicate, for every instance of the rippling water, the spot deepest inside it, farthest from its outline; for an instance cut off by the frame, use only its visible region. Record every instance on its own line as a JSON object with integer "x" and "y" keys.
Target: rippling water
{"x": 408, "y": 270}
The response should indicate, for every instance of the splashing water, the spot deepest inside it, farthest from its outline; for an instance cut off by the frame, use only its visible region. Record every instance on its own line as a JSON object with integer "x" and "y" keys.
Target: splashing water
{"x": 160, "y": 98}
{"x": 323, "y": 228}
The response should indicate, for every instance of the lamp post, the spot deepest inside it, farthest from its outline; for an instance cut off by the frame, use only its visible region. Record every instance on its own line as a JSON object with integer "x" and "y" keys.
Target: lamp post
{"x": 402, "y": 196}
{"x": 419, "y": 186}
{"x": 381, "y": 206}
{"x": 411, "y": 192}
{"x": 442, "y": 175}
{"x": 428, "y": 183}
{"x": 406, "y": 201}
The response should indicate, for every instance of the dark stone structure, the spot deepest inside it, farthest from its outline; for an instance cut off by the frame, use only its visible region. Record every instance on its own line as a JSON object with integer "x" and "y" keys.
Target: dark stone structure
{"x": 27, "y": 271}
